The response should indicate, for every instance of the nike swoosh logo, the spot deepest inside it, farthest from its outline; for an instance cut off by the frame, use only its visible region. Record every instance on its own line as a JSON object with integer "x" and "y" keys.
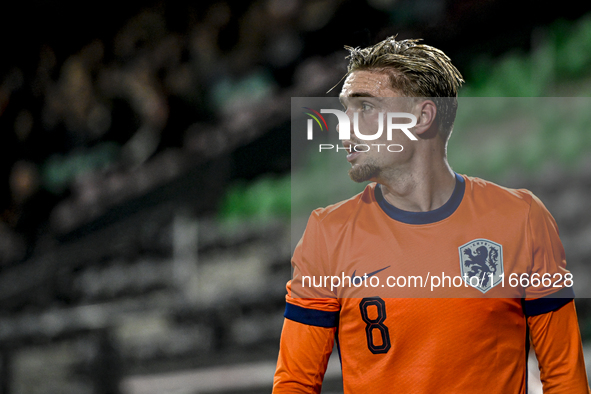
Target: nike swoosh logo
{"x": 366, "y": 276}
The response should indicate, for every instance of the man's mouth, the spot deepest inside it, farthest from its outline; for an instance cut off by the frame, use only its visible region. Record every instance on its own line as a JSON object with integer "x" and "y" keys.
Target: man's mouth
{"x": 353, "y": 155}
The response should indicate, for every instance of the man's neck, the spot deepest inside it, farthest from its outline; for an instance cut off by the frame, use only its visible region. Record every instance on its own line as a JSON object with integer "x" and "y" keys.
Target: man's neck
{"x": 420, "y": 189}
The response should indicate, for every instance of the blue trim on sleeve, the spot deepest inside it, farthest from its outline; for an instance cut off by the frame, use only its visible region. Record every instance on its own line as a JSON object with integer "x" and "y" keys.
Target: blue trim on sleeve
{"x": 311, "y": 317}
{"x": 433, "y": 216}
{"x": 548, "y": 303}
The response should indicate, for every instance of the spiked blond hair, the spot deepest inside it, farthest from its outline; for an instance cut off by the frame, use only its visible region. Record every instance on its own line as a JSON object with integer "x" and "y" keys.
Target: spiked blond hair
{"x": 416, "y": 70}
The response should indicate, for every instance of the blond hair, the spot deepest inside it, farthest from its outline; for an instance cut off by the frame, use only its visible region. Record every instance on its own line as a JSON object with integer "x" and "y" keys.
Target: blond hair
{"x": 416, "y": 70}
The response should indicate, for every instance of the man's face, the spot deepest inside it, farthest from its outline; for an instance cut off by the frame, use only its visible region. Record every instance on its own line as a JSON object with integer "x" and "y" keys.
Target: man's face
{"x": 370, "y": 95}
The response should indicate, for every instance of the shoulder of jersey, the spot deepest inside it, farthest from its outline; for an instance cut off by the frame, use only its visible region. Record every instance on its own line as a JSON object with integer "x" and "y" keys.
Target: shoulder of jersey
{"x": 481, "y": 189}
{"x": 348, "y": 206}
{"x": 478, "y": 190}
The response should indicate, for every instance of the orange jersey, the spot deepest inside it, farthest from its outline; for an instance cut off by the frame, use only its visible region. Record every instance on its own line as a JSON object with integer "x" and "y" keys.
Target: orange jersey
{"x": 393, "y": 338}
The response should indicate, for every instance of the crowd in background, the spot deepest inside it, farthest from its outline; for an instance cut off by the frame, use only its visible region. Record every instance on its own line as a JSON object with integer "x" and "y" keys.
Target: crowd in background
{"x": 85, "y": 127}
{"x": 121, "y": 115}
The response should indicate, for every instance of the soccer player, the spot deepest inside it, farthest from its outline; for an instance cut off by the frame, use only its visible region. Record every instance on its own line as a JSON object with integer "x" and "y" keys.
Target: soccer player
{"x": 419, "y": 216}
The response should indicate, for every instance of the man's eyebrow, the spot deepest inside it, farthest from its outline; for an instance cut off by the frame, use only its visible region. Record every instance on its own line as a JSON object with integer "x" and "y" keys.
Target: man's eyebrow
{"x": 357, "y": 94}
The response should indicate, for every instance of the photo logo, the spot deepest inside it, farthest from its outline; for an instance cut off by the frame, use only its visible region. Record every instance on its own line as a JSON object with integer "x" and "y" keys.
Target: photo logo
{"x": 344, "y": 128}
{"x": 310, "y": 124}
{"x": 345, "y": 124}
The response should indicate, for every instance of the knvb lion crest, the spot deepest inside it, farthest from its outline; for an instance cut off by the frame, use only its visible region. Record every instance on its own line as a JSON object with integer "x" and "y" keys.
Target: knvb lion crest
{"x": 481, "y": 262}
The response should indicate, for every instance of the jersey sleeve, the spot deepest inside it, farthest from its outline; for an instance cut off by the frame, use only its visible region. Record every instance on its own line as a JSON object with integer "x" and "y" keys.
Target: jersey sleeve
{"x": 309, "y": 287}
{"x": 557, "y": 343}
{"x": 311, "y": 317}
{"x": 303, "y": 357}
{"x": 550, "y": 311}
{"x": 547, "y": 256}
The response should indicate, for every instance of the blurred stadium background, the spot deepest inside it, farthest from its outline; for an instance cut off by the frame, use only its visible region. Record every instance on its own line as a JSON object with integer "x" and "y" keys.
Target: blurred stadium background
{"x": 146, "y": 192}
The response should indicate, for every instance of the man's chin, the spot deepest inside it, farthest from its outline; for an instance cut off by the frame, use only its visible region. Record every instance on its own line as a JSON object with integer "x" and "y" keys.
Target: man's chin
{"x": 363, "y": 173}
{"x": 355, "y": 178}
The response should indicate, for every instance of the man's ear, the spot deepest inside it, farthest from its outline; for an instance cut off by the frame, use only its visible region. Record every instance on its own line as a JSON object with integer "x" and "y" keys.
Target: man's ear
{"x": 425, "y": 111}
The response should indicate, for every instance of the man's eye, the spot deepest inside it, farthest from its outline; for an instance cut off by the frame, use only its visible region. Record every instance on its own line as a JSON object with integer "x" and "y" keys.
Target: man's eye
{"x": 366, "y": 107}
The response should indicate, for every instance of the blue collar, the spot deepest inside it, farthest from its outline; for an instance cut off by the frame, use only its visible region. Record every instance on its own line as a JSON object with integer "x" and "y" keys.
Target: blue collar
{"x": 436, "y": 215}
